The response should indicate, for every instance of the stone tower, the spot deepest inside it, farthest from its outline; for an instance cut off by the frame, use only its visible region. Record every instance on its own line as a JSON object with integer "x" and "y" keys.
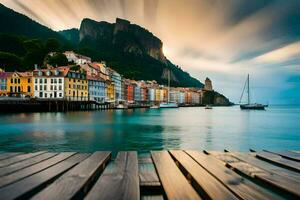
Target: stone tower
{"x": 208, "y": 84}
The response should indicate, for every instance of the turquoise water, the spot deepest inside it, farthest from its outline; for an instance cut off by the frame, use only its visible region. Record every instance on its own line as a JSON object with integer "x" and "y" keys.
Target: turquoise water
{"x": 277, "y": 128}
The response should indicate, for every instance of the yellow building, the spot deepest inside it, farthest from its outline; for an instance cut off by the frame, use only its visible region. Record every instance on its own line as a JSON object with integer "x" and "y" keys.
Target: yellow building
{"x": 20, "y": 84}
{"x": 75, "y": 84}
{"x": 110, "y": 91}
{"x": 157, "y": 94}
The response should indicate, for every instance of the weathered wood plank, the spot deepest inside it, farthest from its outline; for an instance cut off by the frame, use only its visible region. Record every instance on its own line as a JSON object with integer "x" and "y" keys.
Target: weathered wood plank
{"x": 122, "y": 182}
{"x": 8, "y": 155}
{"x": 251, "y": 159}
{"x": 18, "y": 158}
{"x": 25, "y": 163}
{"x": 276, "y": 159}
{"x": 29, "y": 186}
{"x": 287, "y": 154}
{"x": 8, "y": 179}
{"x": 283, "y": 183}
{"x": 242, "y": 187}
{"x": 208, "y": 185}
{"x": 175, "y": 185}
{"x": 74, "y": 183}
{"x": 147, "y": 173}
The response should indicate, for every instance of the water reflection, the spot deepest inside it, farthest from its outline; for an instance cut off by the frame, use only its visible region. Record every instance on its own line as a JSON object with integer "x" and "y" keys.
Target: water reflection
{"x": 151, "y": 129}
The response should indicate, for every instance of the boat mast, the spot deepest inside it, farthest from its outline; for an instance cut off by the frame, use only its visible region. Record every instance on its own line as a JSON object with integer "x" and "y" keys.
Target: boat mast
{"x": 248, "y": 88}
{"x": 169, "y": 74}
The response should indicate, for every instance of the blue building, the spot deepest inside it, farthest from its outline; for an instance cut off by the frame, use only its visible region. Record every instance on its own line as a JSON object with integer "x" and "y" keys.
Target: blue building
{"x": 97, "y": 89}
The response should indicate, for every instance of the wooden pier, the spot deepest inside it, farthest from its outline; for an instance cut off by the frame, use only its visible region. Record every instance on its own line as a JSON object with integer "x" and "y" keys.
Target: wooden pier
{"x": 174, "y": 174}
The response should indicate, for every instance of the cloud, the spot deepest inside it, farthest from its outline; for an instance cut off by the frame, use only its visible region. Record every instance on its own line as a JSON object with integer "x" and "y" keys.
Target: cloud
{"x": 281, "y": 54}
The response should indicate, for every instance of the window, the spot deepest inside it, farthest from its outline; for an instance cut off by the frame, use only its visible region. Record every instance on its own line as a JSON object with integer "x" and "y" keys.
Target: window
{"x": 45, "y": 95}
{"x": 18, "y": 80}
{"x": 41, "y": 80}
{"x": 45, "y": 80}
{"x": 45, "y": 87}
{"x": 28, "y": 89}
{"x": 41, "y": 94}
{"x": 36, "y": 88}
{"x": 41, "y": 87}
{"x": 60, "y": 88}
{"x": 19, "y": 88}
{"x": 15, "y": 80}
{"x": 60, "y": 94}
{"x": 55, "y": 80}
{"x": 55, "y": 87}
{"x": 29, "y": 80}
{"x": 11, "y": 89}
{"x": 11, "y": 81}
{"x": 51, "y": 80}
{"x": 36, "y": 80}
{"x": 51, "y": 87}
{"x": 60, "y": 80}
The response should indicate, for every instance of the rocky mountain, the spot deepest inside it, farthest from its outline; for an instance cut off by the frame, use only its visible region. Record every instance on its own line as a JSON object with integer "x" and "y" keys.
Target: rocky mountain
{"x": 132, "y": 38}
{"x": 128, "y": 48}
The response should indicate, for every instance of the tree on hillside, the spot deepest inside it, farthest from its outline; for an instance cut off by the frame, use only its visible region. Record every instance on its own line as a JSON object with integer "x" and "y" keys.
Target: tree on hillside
{"x": 52, "y": 45}
{"x": 58, "y": 59}
{"x": 9, "y": 61}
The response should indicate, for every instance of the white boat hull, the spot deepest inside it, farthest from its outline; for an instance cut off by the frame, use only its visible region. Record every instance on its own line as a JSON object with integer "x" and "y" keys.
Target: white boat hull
{"x": 168, "y": 105}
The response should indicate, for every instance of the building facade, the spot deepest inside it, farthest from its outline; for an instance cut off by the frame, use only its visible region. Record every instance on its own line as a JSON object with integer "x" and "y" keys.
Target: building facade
{"x": 116, "y": 78}
{"x": 97, "y": 89}
{"x": 77, "y": 58}
{"x": 20, "y": 84}
{"x": 4, "y": 76}
{"x": 48, "y": 83}
{"x": 76, "y": 85}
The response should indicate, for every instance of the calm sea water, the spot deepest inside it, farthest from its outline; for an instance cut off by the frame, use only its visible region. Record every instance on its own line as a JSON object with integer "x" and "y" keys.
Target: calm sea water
{"x": 277, "y": 128}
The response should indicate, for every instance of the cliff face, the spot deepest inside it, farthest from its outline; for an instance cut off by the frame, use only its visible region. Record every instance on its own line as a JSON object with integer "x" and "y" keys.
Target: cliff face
{"x": 129, "y": 49}
{"x": 128, "y": 37}
{"x": 215, "y": 98}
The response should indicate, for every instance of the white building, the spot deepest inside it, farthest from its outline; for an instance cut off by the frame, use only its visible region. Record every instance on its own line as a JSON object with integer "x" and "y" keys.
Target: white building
{"x": 48, "y": 83}
{"x": 181, "y": 97}
{"x": 151, "y": 94}
{"x": 77, "y": 58}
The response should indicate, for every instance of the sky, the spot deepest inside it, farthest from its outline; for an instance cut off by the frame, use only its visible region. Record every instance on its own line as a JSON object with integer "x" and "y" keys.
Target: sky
{"x": 220, "y": 39}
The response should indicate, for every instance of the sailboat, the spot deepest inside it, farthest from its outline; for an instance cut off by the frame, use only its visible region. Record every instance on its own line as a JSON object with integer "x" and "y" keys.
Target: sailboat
{"x": 168, "y": 104}
{"x": 249, "y": 105}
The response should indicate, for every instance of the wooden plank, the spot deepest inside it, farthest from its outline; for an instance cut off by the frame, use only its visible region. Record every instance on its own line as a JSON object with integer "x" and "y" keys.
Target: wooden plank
{"x": 251, "y": 159}
{"x": 283, "y": 183}
{"x": 76, "y": 182}
{"x": 240, "y": 186}
{"x": 287, "y": 154}
{"x": 147, "y": 173}
{"x": 27, "y": 187}
{"x": 122, "y": 182}
{"x": 8, "y": 179}
{"x": 8, "y": 155}
{"x": 19, "y": 158}
{"x": 276, "y": 159}
{"x": 25, "y": 163}
{"x": 210, "y": 187}
{"x": 175, "y": 185}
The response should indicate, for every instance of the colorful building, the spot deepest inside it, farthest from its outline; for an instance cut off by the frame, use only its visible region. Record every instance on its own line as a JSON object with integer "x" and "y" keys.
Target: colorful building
{"x": 97, "y": 89}
{"x": 4, "y": 76}
{"x": 20, "y": 84}
{"x": 76, "y": 84}
{"x": 116, "y": 78}
{"x": 49, "y": 83}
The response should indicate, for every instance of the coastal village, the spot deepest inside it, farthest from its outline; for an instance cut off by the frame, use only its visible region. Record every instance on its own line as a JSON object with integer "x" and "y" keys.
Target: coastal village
{"x": 95, "y": 82}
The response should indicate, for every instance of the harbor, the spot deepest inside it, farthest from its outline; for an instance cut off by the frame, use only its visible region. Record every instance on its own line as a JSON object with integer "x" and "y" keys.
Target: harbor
{"x": 173, "y": 174}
